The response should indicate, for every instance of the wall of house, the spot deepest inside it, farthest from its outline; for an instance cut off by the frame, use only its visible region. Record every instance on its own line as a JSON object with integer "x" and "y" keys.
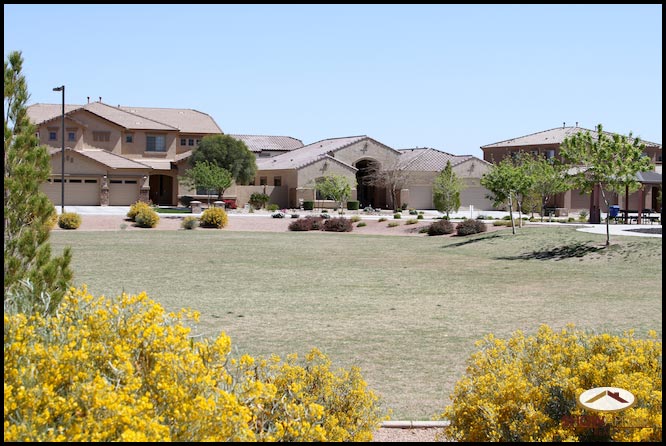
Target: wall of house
{"x": 367, "y": 149}
{"x": 44, "y": 131}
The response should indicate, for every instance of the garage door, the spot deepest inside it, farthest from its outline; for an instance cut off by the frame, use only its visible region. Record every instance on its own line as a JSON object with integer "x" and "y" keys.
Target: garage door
{"x": 475, "y": 196}
{"x": 123, "y": 192}
{"x": 420, "y": 197}
{"x": 78, "y": 191}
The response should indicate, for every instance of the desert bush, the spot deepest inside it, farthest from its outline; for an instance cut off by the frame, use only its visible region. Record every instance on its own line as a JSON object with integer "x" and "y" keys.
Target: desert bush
{"x": 526, "y": 388}
{"x": 355, "y": 218}
{"x": 295, "y": 215}
{"x": 308, "y": 205}
{"x": 413, "y": 212}
{"x": 185, "y": 200}
{"x": 501, "y": 222}
{"x": 123, "y": 369}
{"x": 419, "y": 217}
{"x": 69, "y": 220}
{"x": 381, "y": 219}
{"x": 338, "y": 224}
{"x": 136, "y": 207}
{"x": 230, "y": 203}
{"x": 301, "y": 224}
{"x": 468, "y": 227}
{"x": 278, "y": 215}
{"x": 146, "y": 218}
{"x": 53, "y": 220}
{"x": 353, "y": 205}
{"x": 258, "y": 200}
{"x": 393, "y": 224}
{"x": 190, "y": 222}
{"x": 397, "y": 215}
{"x": 361, "y": 224}
{"x": 440, "y": 227}
{"x": 272, "y": 207}
{"x": 411, "y": 221}
{"x": 214, "y": 218}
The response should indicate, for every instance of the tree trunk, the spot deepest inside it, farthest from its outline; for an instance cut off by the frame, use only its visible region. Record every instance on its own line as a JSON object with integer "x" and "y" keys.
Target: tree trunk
{"x": 513, "y": 226}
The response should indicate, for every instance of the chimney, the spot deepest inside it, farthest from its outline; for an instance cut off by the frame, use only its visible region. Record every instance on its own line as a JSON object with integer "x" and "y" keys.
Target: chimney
{"x": 88, "y": 99}
{"x": 564, "y": 124}
{"x": 576, "y": 123}
{"x": 100, "y": 99}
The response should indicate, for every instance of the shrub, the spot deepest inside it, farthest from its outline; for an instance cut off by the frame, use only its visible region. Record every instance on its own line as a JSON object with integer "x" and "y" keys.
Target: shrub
{"x": 419, "y": 217}
{"x": 353, "y": 205}
{"x": 258, "y": 200}
{"x": 189, "y": 222}
{"x": 468, "y": 227}
{"x": 185, "y": 200}
{"x": 506, "y": 217}
{"x": 136, "y": 207}
{"x": 526, "y": 388}
{"x": 338, "y": 224}
{"x": 230, "y": 204}
{"x": 397, "y": 215}
{"x": 411, "y": 221}
{"x": 53, "y": 220}
{"x": 278, "y": 215}
{"x": 316, "y": 221}
{"x": 393, "y": 224}
{"x": 423, "y": 230}
{"x": 413, "y": 212}
{"x": 490, "y": 217}
{"x": 295, "y": 215}
{"x": 272, "y": 207}
{"x": 403, "y": 206}
{"x": 381, "y": 219}
{"x": 355, "y": 218}
{"x": 146, "y": 218}
{"x": 124, "y": 369}
{"x": 361, "y": 224}
{"x": 302, "y": 224}
{"x": 501, "y": 223}
{"x": 214, "y": 218}
{"x": 308, "y": 205}
{"x": 324, "y": 214}
{"x": 440, "y": 227}
{"x": 69, "y": 220}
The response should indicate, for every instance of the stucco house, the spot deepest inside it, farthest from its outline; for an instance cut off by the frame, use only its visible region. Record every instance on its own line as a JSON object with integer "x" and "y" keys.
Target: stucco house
{"x": 547, "y": 144}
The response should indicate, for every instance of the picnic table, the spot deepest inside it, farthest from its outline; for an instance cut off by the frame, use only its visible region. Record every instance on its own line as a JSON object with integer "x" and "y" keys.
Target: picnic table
{"x": 629, "y": 216}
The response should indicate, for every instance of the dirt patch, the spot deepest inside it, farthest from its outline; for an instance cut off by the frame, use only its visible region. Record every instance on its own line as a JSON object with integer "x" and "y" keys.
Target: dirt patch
{"x": 249, "y": 222}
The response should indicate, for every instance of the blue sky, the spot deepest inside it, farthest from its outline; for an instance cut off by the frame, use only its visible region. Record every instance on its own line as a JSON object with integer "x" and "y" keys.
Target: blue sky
{"x": 451, "y": 77}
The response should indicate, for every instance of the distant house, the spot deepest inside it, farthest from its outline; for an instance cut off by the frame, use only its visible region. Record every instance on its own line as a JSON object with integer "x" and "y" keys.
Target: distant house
{"x": 547, "y": 144}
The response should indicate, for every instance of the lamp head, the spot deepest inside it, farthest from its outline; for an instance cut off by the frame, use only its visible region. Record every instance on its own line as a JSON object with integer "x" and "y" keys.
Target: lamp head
{"x": 61, "y": 88}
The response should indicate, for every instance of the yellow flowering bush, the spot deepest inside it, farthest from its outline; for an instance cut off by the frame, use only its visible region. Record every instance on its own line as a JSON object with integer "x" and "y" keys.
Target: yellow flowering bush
{"x": 525, "y": 388}
{"x": 125, "y": 370}
{"x": 214, "y": 218}
{"x": 138, "y": 207}
{"x": 69, "y": 220}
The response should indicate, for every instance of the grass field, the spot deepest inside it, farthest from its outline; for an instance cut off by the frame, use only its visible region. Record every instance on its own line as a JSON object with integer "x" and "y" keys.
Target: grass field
{"x": 407, "y": 310}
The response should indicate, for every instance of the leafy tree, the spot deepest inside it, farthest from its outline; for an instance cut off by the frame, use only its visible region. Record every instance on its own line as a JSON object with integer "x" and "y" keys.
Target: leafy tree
{"x": 334, "y": 187}
{"x": 33, "y": 280}
{"x": 503, "y": 181}
{"x": 209, "y": 176}
{"x": 393, "y": 176}
{"x": 446, "y": 190}
{"x": 607, "y": 161}
{"x": 229, "y": 153}
{"x": 548, "y": 179}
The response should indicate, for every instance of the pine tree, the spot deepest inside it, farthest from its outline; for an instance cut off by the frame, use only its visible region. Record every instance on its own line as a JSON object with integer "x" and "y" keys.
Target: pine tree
{"x": 34, "y": 281}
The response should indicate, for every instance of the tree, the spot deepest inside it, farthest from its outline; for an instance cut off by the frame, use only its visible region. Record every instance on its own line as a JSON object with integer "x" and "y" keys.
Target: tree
{"x": 209, "y": 176}
{"x": 33, "y": 280}
{"x": 608, "y": 162}
{"x": 229, "y": 153}
{"x": 446, "y": 190}
{"x": 334, "y": 187}
{"x": 503, "y": 182}
{"x": 393, "y": 176}
{"x": 548, "y": 179}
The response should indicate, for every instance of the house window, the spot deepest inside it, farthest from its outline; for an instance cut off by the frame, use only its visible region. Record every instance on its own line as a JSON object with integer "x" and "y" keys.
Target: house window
{"x": 198, "y": 142}
{"x": 550, "y": 154}
{"x": 129, "y": 137}
{"x": 101, "y": 136}
{"x": 183, "y": 141}
{"x": 155, "y": 143}
{"x": 71, "y": 136}
{"x": 116, "y": 181}
{"x": 190, "y": 142}
{"x": 277, "y": 181}
{"x": 90, "y": 181}
{"x": 53, "y": 136}
{"x": 263, "y": 181}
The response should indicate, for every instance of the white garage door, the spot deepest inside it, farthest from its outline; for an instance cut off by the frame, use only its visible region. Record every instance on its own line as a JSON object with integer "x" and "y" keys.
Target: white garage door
{"x": 420, "y": 197}
{"x": 78, "y": 191}
{"x": 123, "y": 192}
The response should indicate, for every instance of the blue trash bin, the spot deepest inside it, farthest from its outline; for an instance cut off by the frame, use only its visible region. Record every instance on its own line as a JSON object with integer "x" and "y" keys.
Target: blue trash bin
{"x": 613, "y": 211}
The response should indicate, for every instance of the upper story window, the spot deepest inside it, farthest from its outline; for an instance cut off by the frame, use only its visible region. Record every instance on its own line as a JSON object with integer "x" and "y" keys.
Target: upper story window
{"x": 71, "y": 136}
{"x": 183, "y": 141}
{"x": 53, "y": 136}
{"x": 263, "y": 181}
{"x": 277, "y": 180}
{"x": 101, "y": 136}
{"x": 129, "y": 137}
{"x": 190, "y": 142}
{"x": 155, "y": 143}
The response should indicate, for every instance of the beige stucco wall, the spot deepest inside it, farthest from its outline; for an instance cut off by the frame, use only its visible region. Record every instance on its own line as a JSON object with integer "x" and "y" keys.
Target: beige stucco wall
{"x": 367, "y": 149}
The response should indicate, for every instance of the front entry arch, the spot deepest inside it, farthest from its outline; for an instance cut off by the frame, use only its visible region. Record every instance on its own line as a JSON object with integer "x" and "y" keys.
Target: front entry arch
{"x": 369, "y": 189}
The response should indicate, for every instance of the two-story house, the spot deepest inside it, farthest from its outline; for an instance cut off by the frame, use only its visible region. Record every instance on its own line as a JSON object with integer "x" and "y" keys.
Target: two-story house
{"x": 547, "y": 144}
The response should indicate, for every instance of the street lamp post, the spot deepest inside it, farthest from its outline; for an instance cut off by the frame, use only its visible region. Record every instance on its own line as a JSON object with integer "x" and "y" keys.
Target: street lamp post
{"x": 62, "y": 165}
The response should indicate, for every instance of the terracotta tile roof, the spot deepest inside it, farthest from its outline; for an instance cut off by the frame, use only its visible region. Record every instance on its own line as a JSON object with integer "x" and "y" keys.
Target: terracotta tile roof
{"x": 429, "y": 160}
{"x": 303, "y": 156}
{"x": 39, "y": 113}
{"x": 552, "y": 136}
{"x": 258, "y": 143}
{"x": 184, "y": 119}
{"x": 107, "y": 158}
{"x": 126, "y": 119}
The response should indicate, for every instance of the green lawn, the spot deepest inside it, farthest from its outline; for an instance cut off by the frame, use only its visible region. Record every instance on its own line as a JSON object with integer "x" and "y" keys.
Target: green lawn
{"x": 407, "y": 310}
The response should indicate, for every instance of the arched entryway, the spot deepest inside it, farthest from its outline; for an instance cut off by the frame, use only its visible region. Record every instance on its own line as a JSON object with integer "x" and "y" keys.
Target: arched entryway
{"x": 161, "y": 190}
{"x": 369, "y": 189}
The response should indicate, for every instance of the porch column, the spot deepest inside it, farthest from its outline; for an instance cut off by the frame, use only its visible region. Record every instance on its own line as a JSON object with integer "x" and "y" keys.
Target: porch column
{"x": 145, "y": 189}
{"x": 642, "y": 205}
{"x": 104, "y": 192}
